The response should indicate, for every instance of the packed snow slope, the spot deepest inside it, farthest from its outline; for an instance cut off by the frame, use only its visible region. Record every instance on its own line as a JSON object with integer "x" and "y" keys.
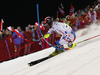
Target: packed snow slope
{"x": 84, "y": 59}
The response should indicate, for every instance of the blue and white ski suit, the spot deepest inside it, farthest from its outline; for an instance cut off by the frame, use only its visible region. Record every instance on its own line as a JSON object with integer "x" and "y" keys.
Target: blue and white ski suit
{"x": 65, "y": 30}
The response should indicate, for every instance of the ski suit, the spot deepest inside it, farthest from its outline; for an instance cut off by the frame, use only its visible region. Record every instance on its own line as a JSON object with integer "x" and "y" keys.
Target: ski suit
{"x": 65, "y": 30}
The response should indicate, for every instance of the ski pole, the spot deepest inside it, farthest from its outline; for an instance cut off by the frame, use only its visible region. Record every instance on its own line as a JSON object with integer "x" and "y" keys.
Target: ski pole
{"x": 24, "y": 46}
{"x": 39, "y": 38}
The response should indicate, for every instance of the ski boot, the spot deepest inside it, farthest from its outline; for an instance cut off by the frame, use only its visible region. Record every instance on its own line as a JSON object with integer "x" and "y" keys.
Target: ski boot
{"x": 57, "y": 51}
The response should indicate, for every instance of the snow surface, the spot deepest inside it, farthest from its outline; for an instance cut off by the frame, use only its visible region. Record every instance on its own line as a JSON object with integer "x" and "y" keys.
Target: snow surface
{"x": 84, "y": 59}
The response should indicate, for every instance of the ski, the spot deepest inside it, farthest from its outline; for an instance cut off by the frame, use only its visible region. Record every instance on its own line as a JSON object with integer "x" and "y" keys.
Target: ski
{"x": 38, "y": 61}
{"x": 51, "y": 55}
{"x": 45, "y": 58}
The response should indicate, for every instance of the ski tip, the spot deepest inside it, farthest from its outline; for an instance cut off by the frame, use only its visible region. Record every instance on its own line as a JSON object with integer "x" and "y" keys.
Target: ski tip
{"x": 29, "y": 64}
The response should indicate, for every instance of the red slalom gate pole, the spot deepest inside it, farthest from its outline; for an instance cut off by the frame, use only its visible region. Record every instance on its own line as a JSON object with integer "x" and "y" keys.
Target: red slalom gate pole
{"x": 83, "y": 41}
{"x": 88, "y": 39}
{"x": 93, "y": 37}
{"x": 28, "y": 44}
{"x": 24, "y": 46}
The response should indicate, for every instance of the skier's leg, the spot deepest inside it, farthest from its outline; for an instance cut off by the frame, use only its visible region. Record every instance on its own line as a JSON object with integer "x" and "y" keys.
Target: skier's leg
{"x": 57, "y": 51}
{"x": 68, "y": 44}
{"x": 62, "y": 43}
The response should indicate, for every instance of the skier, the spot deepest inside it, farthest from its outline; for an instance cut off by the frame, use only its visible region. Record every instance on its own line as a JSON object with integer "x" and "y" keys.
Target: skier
{"x": 67, "y": 34}
{"x": 66, "y": 41}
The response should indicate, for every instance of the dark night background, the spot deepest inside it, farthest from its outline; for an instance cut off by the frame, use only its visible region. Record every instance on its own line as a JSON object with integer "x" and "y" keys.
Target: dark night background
{"x": 23, "y": 12}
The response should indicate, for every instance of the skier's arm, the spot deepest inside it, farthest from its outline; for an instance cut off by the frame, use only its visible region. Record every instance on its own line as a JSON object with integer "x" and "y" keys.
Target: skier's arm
{"x": 73, "y": 33}
{"x": 48, "y": 33}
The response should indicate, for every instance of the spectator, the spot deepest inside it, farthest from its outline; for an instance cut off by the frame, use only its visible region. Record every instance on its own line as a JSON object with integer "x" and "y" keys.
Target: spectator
{"x": 92, "y": 15}
{"x": 57, "y": 20}
{"x": 98, "y": 13}
{"x": 0, "y": 34}
{"x": 30, "y": 26}
{"x": 27, "y": 28}
{"x": 79, "y": 13}
{"x": 28, "y": 36}
{"x": 68, "y": 19}
{"x": 17, "y": 40}
{"x": 3, "y": 33}
{"x": 73, "y": 22}
{"x": 7, "y": 33}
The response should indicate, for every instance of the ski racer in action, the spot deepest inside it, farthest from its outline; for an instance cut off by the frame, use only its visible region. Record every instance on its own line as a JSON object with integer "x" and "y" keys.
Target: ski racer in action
{"x": 67, "y": 35}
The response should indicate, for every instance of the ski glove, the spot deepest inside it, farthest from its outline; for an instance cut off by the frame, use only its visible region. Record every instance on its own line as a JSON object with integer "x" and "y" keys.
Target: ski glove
{"x": 46, "y": 35}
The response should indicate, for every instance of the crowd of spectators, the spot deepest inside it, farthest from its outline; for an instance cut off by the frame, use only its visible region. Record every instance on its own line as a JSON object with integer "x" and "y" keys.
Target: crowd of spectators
{"x": 82, "y": 17}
